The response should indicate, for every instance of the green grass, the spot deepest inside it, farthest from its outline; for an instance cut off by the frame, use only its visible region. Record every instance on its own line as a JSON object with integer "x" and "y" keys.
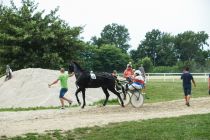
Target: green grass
{"x": 32, "y": 108}
{"x": 191, "y": 127}
{"x": 160, "y": 91}
{"x": 110, "y": 102}
{"x": 166, "y": 91}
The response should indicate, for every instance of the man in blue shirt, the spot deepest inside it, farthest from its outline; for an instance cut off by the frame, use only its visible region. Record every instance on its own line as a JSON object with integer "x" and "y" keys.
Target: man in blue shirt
{"x": 187, "y": 78}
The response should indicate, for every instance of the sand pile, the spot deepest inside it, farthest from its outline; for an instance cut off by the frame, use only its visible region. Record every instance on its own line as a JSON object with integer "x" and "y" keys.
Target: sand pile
{"x": 29, "y": 88}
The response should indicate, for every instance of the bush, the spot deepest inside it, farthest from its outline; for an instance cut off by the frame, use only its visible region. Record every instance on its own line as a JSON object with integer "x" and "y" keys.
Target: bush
{"x": 147, "y": 64}
{"x": 166, "y": 69}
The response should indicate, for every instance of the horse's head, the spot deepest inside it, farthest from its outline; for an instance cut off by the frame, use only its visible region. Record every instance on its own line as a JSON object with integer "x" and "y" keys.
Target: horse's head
{"x": 71, "y": 68}
{"x": 74, "y": 67}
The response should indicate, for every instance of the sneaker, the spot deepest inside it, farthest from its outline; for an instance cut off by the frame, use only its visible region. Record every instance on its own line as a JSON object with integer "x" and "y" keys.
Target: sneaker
{"x": 188, "y": 104}
{"x": 70, "y": 102}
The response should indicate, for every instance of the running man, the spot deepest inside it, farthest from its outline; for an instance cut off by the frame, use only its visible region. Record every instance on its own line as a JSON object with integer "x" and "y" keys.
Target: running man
{"x": 63, "y": 78}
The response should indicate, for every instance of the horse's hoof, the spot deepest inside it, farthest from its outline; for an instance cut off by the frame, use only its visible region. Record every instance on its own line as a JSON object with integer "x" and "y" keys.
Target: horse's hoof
{"x": 100, "y": 106}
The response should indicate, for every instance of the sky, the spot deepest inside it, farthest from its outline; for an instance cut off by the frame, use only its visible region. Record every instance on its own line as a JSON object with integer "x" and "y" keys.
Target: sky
{"x": 138, "y": 16}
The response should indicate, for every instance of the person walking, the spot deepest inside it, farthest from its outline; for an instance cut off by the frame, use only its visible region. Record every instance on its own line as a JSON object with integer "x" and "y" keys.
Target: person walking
{"x": 187, "y": 78}
{"x": 63, "y": 78}
{"x": 141, "y": 68}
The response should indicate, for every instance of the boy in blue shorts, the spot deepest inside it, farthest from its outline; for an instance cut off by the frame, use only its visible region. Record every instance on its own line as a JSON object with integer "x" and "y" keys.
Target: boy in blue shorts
{"x": 63, "y": 78}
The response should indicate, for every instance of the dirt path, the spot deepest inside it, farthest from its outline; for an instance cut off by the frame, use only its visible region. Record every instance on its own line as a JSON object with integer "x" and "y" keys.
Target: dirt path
{"x": 16, "y": 123}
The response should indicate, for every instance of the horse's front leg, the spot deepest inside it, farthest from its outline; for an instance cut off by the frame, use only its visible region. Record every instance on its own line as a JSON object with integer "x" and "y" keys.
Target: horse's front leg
{"x": 83, "y": 96}
{"x": 76, "y": 94}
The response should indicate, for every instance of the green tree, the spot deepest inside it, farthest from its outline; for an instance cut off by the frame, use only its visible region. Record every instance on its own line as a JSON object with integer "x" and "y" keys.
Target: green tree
{"x": 158, "y": 46}
{"x": 190, "y": 46}
{"x": 87, "y": 57}
{"x": 147, "y": 64}
{"x": 108, "y": 58}
{"x": 113, "y": 34}
{"x": 30, "y": 38}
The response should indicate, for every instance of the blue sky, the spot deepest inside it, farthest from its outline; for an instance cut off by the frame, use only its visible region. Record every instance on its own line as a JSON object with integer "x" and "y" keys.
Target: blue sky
{"x": 138, "y": 16}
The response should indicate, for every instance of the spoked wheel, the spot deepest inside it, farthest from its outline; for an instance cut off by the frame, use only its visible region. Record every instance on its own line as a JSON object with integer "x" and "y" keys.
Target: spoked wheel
{"x": 137, "y": 99}
{"x": 126, "y": 99}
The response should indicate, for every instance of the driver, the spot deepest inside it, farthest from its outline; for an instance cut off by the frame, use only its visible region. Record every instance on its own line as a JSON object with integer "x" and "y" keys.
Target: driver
{"x": 138, "y": 81}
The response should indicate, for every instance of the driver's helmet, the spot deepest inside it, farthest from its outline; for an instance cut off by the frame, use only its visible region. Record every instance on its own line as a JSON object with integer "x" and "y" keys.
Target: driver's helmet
{"x": 137, "y": 72}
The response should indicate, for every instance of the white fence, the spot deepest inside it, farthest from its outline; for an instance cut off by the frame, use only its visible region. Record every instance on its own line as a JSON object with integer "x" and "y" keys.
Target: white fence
{"x": 176, "y": 76}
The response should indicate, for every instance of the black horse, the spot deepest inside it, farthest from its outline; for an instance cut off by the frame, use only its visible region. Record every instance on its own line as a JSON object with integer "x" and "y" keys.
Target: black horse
{"x": 84, "y": 80}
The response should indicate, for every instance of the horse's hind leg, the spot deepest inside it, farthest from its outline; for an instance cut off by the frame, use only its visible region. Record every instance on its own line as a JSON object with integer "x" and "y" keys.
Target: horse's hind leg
{"x": 83, "y": 96}
{"x": 107, "y": 95}
{"x": 118, "y": 95}
{"x": 123, "y": 91}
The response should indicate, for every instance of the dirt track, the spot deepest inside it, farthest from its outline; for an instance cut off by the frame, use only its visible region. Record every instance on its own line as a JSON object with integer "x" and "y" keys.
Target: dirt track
{"x": 16, "y": 123}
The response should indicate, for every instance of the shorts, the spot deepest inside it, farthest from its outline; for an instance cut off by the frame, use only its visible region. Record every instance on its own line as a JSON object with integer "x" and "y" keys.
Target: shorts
{"x": 135, "y": 86}
{"x": 63, "y": 92}
{"x": 187, "y": 91}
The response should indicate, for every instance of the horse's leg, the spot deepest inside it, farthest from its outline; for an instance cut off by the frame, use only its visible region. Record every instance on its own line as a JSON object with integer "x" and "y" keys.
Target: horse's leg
{"x": 107, "y": 95}
{"x": 116, "y": 93}
{"x": 83, "y": 96}
{"x": 76, "y": 94}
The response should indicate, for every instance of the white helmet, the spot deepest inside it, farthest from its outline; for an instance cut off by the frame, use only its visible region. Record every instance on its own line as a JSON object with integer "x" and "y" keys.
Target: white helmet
{"x": 138, "y": 72}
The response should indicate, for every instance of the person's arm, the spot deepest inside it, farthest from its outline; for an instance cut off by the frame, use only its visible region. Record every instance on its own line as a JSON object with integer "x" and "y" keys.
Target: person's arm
{"x": 53, "y": 83}
{"x": 193, "y": 82}
{"x": 181, "y": 77}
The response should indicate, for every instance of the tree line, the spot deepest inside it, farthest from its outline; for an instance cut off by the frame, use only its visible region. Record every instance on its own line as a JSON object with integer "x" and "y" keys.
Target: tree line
{"x": 31, "y": 38}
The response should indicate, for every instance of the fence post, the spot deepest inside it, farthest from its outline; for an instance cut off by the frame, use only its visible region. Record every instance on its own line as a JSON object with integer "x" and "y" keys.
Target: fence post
{"x": 209, "y": 84}
{"x": 205, "y": 77}
{"x": 164, "y": 77}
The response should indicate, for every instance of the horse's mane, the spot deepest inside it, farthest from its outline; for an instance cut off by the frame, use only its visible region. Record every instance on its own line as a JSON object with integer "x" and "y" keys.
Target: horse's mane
{"x": 78, "y": 66}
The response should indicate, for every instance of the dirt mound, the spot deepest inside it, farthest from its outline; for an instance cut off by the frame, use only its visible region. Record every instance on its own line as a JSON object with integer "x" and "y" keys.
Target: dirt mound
{"x": 29, "y": 88}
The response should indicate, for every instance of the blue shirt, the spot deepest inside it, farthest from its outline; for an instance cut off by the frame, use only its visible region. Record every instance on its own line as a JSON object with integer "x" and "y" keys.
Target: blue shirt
{"x": 186, "y": 78}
